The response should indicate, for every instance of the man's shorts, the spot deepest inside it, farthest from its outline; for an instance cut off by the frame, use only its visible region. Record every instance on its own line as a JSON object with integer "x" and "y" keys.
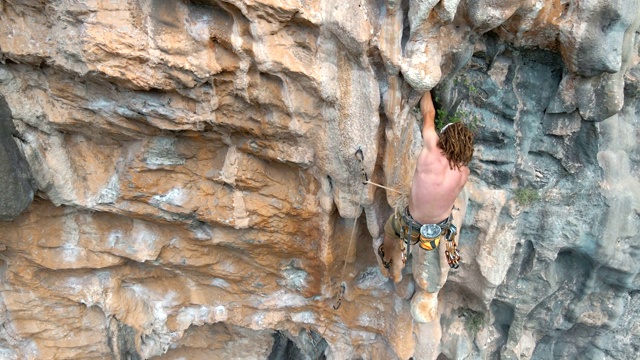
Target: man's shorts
{"x": 389, "y": 227}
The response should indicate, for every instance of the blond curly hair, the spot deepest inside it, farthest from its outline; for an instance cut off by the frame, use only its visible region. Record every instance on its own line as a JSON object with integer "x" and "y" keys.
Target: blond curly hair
{"x": 456, "y": 143}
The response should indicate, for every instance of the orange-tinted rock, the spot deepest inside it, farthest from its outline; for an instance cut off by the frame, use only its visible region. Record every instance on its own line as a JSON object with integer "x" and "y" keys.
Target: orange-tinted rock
{"x": 198, "y": 189}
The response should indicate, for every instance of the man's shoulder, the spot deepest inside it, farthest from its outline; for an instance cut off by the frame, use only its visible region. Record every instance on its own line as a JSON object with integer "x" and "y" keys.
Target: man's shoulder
{"x": 462, "y": 175}
{"x": 432, "y": 160}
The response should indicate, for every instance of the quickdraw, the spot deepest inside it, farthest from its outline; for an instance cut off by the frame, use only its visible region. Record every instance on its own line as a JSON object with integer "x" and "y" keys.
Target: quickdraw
{"x": 343, "y": 288}
{"x": 451, "y": 252}
{"x": 386, "y": 264}
{"x": 365, "y": 177}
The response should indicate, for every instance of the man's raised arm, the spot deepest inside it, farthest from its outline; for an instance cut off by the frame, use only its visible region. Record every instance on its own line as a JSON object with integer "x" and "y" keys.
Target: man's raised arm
{"x": 429, "y": 135}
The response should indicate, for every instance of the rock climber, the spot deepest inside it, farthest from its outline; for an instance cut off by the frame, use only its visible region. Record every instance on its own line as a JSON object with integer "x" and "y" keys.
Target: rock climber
{"x": 441, "y": 173}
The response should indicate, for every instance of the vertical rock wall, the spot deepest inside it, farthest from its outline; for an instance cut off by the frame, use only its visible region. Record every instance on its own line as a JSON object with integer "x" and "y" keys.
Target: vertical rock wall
{"x": 17, "y": 192}
{"x": 197, "y": 193}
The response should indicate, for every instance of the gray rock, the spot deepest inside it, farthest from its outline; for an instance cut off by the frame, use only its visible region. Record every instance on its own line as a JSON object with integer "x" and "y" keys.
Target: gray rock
{"x": 571, "y": 289}
{"x": 16, "y": 190}
{"x": 599, "y": 47}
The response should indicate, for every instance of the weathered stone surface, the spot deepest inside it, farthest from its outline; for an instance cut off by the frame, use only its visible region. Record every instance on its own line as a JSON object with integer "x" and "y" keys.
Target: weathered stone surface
{"x": 198, "y": 194}
{"x": 16, "y": 192}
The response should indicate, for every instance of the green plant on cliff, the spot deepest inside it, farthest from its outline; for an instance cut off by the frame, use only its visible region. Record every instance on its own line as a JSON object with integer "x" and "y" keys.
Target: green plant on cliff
{"x": 464, "y": 81}
{"x": 443, "y": 118}
{"x": 473, "y": 320}
{"x": 527, "y": 196}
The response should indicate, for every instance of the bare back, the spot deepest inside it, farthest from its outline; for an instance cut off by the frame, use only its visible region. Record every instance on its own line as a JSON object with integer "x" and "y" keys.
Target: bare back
{"x": 435, "y": 185}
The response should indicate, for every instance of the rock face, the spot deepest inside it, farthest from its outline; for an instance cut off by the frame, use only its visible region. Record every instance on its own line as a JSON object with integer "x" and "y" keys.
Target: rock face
{"x": 198, "y": 194}
{"x": 16, "y": 192}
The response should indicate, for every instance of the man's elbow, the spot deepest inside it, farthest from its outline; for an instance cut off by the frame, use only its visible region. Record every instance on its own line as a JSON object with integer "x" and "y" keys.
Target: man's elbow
{"x": 429, "y": 113}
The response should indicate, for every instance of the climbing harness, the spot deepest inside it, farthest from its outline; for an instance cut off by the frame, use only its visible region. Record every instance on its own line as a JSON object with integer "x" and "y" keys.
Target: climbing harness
{"x": 427, "y": 236}
{"x": 431, "y": 234}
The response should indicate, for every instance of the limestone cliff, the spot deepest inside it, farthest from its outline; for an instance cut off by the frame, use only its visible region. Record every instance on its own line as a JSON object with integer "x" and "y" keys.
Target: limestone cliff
{"x": 179, "y": 178}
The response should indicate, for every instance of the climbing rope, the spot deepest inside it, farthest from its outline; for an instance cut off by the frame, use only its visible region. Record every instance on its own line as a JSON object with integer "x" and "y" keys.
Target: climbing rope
{"x": 384, "y": 187}
{"x": 343, "y": 284}
{"x": 365, "y": 181}
{"x": 365, "y": 177}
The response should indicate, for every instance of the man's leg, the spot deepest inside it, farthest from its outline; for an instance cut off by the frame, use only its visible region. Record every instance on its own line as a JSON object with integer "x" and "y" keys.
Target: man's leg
{"x": 392, "y": 253}
{"x": 430, "y": 270}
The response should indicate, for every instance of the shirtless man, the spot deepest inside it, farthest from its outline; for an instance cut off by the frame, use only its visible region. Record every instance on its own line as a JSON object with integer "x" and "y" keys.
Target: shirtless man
{"x": 441, "y": 172}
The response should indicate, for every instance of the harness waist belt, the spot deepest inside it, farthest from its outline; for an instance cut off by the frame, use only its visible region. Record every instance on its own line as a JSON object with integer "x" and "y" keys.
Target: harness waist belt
{"x": 412, "y": 232}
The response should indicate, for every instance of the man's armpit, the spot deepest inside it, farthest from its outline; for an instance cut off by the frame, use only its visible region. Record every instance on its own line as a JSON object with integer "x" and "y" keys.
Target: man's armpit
{"x": 430, "y": 141}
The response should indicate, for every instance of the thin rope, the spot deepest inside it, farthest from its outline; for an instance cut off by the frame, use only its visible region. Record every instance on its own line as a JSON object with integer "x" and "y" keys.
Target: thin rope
{"x": 384, "y": 187}
{"x": 353, "y": 233}
{"x": 343, "y": 285}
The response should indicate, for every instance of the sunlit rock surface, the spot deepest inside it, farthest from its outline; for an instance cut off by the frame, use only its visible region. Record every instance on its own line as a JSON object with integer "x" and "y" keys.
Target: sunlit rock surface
{"x": 194, "y": 191}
